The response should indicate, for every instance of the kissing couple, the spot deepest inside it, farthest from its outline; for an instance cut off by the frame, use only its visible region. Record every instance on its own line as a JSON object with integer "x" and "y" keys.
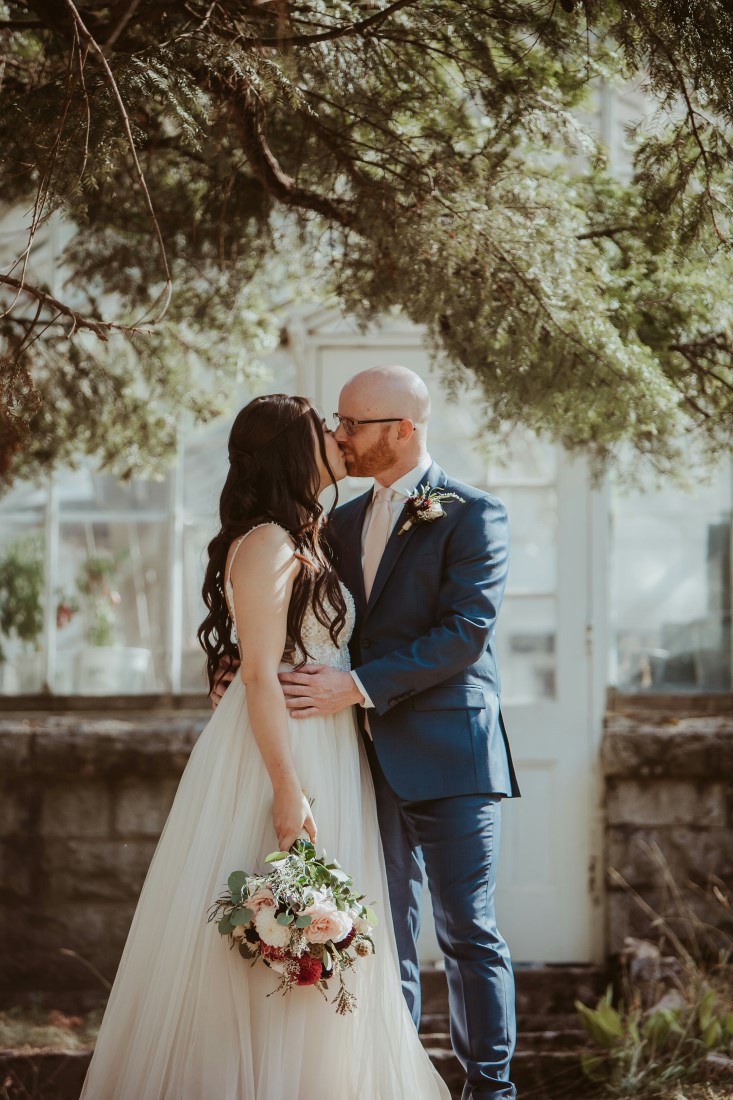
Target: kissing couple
{"x": 353, "y": 662}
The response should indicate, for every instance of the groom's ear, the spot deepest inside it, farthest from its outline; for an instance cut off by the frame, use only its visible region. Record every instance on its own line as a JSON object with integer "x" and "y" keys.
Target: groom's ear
{"x": 405, "y": 430}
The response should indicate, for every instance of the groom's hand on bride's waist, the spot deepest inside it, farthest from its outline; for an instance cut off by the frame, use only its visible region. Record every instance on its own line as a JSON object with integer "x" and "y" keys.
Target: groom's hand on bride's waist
{"x": 317, "y": 690}
{"x": 226, "y": 673}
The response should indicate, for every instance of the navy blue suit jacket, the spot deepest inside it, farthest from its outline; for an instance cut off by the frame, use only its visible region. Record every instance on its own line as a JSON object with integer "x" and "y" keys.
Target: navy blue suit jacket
{"x": 424, "y": 648}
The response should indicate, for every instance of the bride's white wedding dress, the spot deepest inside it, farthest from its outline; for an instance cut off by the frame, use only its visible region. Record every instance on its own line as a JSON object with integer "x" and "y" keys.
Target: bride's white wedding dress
{"x": 188, "y": 1018}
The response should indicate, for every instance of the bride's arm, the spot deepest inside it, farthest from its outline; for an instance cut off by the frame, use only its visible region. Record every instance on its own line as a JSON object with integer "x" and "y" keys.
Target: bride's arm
{"x": 263, "y": 574}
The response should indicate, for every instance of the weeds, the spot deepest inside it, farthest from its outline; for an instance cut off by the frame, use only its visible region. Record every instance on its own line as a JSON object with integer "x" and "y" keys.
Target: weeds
{"x": 671, "y": 1036}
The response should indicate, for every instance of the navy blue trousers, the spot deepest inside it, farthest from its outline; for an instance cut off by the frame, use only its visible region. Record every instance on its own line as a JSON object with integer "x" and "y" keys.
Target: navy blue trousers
{"x": 456, "y": 841}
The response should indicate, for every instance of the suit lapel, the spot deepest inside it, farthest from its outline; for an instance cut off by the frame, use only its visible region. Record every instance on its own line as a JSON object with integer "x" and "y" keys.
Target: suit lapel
{"x": 396, "y": 543}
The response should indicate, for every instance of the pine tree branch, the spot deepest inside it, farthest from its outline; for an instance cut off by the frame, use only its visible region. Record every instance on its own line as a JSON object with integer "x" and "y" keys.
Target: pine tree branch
{"x": 271, "y": 175}
{"x": 610, "y": 231}
{"x": 165, "y": 294}
{"x": 349, "y": 31}
{"x": 78, "y": 320}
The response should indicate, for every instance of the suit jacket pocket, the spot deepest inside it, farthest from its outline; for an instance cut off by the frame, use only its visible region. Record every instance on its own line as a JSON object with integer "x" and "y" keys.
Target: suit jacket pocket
{"x": 450, "y": 697}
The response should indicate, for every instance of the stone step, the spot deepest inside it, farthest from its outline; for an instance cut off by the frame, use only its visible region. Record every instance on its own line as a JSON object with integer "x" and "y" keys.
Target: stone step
{"x": 538, "y": 1075}
{"x": 541, "y": 990}
{"x": 548, "y": 1075}
{"x": 527, "y": 1041}
{"x": 526, "y": 1025}
{"x": 43, "y": 1075}
{"x": 546, "y": 1065}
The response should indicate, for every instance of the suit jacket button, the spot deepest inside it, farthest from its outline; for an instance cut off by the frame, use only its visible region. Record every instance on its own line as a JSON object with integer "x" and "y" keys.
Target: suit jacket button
{"x": 365, "y": 643}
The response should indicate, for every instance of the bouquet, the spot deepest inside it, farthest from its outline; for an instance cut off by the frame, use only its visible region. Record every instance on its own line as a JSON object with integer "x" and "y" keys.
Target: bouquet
{"x": 303, "y": 919}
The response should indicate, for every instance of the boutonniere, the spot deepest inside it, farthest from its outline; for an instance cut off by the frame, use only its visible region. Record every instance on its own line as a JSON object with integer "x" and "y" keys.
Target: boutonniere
{"x": 424, "y": 505}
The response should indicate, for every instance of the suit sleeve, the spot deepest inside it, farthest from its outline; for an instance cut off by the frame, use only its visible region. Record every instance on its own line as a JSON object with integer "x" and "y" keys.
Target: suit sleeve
{"x": 470, "y": 596}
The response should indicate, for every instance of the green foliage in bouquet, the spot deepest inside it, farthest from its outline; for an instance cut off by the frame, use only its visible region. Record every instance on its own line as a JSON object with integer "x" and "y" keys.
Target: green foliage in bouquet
{"x": 303, "y": 919}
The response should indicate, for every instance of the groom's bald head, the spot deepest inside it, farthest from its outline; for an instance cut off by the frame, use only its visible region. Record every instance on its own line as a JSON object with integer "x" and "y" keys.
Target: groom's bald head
{"x": 398, "y": 400}
{"x": 389, "y": 391}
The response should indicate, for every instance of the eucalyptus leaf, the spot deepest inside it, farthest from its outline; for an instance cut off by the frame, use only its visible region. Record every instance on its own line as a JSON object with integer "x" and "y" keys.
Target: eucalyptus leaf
{"x": 284, "y": 918}
{"x": 236, "y": 882}
{"x": 241, "y": 916}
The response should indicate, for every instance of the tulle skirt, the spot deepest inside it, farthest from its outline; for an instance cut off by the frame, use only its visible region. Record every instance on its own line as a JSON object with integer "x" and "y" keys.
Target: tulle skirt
{"x": 188, "y": 1018}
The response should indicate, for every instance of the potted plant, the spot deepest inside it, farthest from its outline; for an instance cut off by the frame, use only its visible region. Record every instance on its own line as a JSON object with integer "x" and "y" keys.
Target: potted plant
{"x": 21, "y": 613}
{"x": 107, "y": 667}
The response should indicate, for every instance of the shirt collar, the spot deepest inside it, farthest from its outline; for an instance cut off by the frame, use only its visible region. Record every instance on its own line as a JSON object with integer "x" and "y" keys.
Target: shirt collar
{"x": 409, "y": 481}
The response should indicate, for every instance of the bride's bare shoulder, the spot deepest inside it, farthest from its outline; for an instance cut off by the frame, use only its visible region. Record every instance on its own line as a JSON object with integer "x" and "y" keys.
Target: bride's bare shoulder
{"x": 267, "y": 547}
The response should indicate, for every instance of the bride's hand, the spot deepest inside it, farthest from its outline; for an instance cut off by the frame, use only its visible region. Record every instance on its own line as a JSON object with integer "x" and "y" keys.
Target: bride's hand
{"x": 291, "y": 815}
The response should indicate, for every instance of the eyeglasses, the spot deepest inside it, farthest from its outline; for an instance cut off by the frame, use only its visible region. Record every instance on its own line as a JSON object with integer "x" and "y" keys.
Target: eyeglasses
{"x": 350, "y": 425}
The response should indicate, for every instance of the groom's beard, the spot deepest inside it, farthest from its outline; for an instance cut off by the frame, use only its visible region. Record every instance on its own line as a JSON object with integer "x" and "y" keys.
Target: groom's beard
{"x": 372, "y": 461}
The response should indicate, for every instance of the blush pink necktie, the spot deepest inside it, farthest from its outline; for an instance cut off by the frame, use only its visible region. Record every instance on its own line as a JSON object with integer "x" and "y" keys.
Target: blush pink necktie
{"x": 378, "y": 531}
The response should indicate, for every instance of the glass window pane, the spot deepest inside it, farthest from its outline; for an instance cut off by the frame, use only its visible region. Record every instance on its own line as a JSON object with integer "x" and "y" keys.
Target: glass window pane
{"x": 205, "y": 467}
{"x": 22, "y": 603}
{"x": 86, "y": 491}
{"x": 533, "y": 533}
{"x": 526, "y": 648}
{"x": 671, "y": 588}
{"x": 112, "y": 624}
{"x": 197, "y": 535}
{"x": 522, "y": 456}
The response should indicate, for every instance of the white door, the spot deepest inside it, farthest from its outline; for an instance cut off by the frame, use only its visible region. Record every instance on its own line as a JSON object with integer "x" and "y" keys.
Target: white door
{"x": 552, "y": 684}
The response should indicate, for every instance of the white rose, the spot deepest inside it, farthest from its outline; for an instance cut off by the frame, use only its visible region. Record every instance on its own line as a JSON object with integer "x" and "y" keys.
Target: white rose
{"x": 363, "y": 927}
{"x": 269, "y": 931}
{"x": 433, "y": 510}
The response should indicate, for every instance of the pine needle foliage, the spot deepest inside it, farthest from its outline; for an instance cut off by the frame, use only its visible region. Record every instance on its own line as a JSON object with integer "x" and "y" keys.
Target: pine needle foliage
{"x": 427, "y": 157}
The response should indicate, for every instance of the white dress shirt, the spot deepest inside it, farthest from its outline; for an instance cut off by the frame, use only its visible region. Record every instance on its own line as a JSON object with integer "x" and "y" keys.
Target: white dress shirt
{"x": 402, "y": 488}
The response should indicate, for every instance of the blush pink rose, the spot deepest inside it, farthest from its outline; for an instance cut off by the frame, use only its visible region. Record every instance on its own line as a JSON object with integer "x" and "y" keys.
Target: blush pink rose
{"x": 261, "y": 899}
{"x": 327, "y": 923}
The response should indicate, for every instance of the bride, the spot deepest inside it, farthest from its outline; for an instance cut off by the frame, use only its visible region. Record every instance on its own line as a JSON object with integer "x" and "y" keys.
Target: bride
{"x": 188, "y": 1018}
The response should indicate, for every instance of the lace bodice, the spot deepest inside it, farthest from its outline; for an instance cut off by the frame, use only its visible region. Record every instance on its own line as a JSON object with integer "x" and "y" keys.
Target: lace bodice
{"x": 316, "y": 636}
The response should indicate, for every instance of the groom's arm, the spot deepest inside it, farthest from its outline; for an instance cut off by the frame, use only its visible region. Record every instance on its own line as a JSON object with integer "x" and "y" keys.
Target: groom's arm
{"x": 469, "y": 599}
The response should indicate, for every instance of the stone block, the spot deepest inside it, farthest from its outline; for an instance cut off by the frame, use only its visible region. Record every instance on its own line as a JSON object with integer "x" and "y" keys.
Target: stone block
{"x": 15, "y": 873}
{"x": 106, "y": 870}
{"x": 143, "y": 745}
{"x": 15, "y": 810}
{"x": 16, "y": 746}
{"x": 78, "y": 809}
{"x": 93, "y": 930}
{"x": 641, "y": 745}
{"x": 690, "y": 855}
{"x": 666, "y": 802}
{"x": 141, "y": 808}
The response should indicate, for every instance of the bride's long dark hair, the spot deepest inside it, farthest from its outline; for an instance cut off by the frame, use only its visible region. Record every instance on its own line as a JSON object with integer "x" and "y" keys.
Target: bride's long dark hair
{"x": 273, "y": 476}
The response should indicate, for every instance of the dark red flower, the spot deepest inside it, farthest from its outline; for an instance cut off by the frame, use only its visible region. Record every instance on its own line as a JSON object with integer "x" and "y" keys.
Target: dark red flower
{"x": 310, "y": 971}
{"x": 269, "y": 952}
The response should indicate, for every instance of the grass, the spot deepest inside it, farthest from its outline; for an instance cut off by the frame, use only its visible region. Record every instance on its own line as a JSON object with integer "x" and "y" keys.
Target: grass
{"x": 27, "y": 1030}
{"x": 671, "y": 1037}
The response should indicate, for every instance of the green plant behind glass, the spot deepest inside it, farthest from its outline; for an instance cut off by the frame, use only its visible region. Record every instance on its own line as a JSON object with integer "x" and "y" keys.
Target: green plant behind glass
{"x": 95, "y": 583}
{"x": 21, "y": 592}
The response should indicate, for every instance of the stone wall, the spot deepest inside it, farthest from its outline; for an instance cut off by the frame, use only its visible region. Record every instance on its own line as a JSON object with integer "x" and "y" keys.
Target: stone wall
{"x": 669, "y": 821}
{"x": 83, "y": 798}
{"x": 82, "y": 802}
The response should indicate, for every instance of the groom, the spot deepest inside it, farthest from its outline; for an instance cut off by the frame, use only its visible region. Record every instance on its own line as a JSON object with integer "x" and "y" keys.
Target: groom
{"x": 426, "y": 686}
